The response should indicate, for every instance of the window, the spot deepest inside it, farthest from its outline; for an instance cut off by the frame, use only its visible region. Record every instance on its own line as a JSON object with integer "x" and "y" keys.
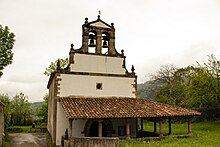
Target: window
{"x": 98, "y": 86}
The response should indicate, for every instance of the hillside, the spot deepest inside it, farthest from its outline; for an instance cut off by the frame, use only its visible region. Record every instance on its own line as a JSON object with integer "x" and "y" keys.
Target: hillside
{"x": 148, "y": 89}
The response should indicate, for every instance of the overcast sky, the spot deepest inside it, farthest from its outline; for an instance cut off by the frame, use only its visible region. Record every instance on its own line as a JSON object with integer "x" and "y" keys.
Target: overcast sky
{"x": 151, "y": 32}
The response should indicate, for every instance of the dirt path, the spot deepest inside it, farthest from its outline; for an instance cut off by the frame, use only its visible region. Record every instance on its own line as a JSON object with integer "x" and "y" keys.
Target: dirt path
{"x": 28, "y": 140}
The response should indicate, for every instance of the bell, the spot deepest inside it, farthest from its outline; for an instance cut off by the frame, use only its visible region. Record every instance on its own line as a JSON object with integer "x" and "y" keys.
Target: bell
{"x": 105, "y": 44}
{"x": 91, "y": 43}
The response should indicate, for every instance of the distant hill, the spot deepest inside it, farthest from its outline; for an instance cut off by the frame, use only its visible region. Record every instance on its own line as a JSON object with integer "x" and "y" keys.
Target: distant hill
{"x": 36, "y": 105}
{"x": 148, "y": 89}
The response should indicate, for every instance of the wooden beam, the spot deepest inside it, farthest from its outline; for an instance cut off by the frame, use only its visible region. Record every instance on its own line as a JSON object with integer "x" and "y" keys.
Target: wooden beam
{"x": 170, "y": 127}
{"x": 161, "y": 127}
{"x": 71, "y": 127}
{"x": 155, "y": 125}
{"x": 142, "y": 124}
{"x": 189, "y": 126}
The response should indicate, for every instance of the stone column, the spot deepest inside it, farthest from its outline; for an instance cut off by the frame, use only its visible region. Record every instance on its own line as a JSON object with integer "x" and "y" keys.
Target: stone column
{"x": 99, "y": 42}
{"x": 128, "y": 132}
{"x": 161, "y": 128}
{"x": 189, "y": 127}
{"x": 170, "y": 127}
{"x": 99, "y": 128}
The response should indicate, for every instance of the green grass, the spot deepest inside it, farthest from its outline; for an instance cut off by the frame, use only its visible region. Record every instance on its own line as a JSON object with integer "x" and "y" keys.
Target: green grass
{"x": 205, "y": 134}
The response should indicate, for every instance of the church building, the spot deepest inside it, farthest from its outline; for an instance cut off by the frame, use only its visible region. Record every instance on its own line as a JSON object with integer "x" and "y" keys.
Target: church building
{"x": 96, "y": 95}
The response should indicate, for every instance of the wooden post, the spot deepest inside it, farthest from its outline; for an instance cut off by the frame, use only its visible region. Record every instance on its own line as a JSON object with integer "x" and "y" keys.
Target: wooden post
{"x": 161, "y": 128}
{"x": 142, "y": 124}
{"x": 189, "y": 126}
{"x": 100, "y": 128}
{"x": 136, "y": 126}
{"x": 71, "y": 128}
{"x": 155, "y": 125}
{"x": 128, "y": 136}
{"x": 170, "y": 129}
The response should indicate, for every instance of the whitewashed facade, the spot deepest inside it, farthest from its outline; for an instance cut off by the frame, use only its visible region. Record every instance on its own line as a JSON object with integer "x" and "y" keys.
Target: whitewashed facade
{"x": 91, "y": 74}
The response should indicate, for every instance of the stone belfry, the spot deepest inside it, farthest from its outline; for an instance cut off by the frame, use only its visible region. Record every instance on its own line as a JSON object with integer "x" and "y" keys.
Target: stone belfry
{"x": 99, "y": 36}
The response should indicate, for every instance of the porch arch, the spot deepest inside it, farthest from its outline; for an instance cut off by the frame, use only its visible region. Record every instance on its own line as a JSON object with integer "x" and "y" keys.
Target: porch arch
{"x": 92, "y": 123}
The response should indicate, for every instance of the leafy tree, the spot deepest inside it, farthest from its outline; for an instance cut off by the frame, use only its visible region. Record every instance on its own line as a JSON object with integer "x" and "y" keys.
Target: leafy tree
{"x": 213, "y": 67}
{"x": 171, "y": 90}
{"x": 21, "y": 109}
{"x": 4, "y": 98}
{"x": 43, "y": 110}
{"x": 53, "y": 66}
{"x": 7, "y": 40}
{"x": 195, "y": 86}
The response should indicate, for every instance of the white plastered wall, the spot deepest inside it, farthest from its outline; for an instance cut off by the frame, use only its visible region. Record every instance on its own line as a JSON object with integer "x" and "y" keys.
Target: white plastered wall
{"x": 62, "y": 123}
{"x": 51, "y": 104}
{"x": 85, "y": 85}
{"x": 97, "y": 64}
{"x": 78, "y": 127}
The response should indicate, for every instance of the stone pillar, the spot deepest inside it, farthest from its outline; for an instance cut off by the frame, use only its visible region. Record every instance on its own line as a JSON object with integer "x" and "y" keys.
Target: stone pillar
{"x": 111, "y": 45}
{"x": 142, "y": 124}
{"x": 100, "y": 128}
{"x": 155, "y": 125}
{"x": 128, "y": 132}
{"x": 161, "y": 128}
{"x": 85, "y": 40}
{"x": 170, "y": 127}
{"x": 98, "y": 43}
{"x": 189, "y": 127}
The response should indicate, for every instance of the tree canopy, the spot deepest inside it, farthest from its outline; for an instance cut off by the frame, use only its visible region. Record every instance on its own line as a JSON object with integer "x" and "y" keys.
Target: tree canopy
{"x": 21, "y": 109}
{"x": 7, "y": 40}
{"x": 195, "y": 86}
{"x": 53, "y": 65}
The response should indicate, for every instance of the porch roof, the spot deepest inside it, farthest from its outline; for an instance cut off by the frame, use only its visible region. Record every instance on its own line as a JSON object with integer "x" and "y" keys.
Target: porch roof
{"x": 118, "y": 107}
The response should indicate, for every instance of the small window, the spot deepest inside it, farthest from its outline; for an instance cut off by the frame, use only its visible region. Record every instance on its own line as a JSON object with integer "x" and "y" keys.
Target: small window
{"x": 98, "y": 86}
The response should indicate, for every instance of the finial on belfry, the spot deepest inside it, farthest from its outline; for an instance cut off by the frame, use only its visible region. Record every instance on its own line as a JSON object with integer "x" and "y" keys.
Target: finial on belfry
{"x": 86, "y": 20}
{"x": 99, "y": 14}
{"x": 71, "y": 47}
{"x": 132, "y": 70}
{"x": 122, "y": 53}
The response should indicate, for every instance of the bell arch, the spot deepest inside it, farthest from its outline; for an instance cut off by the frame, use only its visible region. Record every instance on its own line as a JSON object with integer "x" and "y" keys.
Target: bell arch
{"x": 92, "y": 42}
{"x": 105, "y": 42}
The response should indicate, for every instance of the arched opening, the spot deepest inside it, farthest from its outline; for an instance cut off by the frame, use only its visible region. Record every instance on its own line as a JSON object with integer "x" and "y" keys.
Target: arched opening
{"x": 91, "y": 128}
{"x": 105, "y": 43}
{"x": 92, "y": 42}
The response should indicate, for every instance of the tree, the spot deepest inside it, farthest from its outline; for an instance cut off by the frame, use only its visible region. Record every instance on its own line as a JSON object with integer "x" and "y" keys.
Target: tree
{"x": 213, "y": 67}
{"x": 201, "y": 90}
{"x": 21, "y": 109}
{"x": 4, "y": 98}
{"x": 43, "y": 110}
{"x": 171, "y": 89}
{"x": 53, "y": 66}
{"x": 7, "y": 40}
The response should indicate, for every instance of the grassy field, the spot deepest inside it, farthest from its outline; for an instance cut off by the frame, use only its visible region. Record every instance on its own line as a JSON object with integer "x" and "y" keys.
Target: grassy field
{"x": 205, "y": 134}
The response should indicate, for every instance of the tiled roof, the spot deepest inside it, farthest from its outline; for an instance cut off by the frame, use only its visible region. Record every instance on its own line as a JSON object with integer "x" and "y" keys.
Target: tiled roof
{"x": 79, "y": 107}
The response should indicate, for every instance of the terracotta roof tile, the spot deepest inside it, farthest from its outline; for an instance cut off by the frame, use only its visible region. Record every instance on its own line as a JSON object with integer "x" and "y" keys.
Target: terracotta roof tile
{"x": 79, "y": 107}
